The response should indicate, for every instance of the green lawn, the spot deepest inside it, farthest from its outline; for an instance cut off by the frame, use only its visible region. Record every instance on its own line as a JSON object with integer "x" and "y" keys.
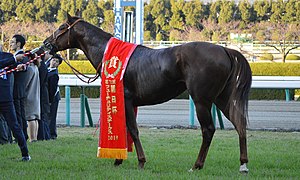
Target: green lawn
{"x": 170, "y": 154}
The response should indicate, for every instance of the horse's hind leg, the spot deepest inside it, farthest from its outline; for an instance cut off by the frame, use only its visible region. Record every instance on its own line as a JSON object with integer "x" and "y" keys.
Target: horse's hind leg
{"x": 208, "y": 129}
{"x": 221, "y": 103}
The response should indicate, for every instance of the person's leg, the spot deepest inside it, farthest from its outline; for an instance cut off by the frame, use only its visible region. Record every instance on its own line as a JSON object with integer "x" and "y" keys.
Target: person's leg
{"x": 3, "y": 131}
{"x": 32, "y": 130}
{"x": 46, "y": 126}
{"x": 17, "y": 104}
{"x": 52, "y": 117}
{"x": 23, "y": 117}
{"x": 9, "y": 114}
{"x": 41, "y": 132}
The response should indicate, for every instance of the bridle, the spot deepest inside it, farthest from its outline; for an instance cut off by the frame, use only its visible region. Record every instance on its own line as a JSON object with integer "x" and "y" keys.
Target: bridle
{"x": 68, "y": 29}
{"x": 74, "y": 70}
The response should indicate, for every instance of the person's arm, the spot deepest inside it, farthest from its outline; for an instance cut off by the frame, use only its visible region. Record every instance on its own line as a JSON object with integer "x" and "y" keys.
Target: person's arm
{"x": 7, "y": 59}
{"x": 52, "y": 86}
{"x": 21, "y": 58}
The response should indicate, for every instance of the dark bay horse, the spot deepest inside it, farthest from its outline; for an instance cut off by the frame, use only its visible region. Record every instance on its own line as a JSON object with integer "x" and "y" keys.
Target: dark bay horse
{"x": 210, "y": 73}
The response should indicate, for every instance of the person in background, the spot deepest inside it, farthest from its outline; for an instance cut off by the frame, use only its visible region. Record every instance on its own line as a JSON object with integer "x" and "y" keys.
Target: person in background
{"x": 32, "y": 104}
{"x": 43, "y": 130}
{"x": 7, "y": 108}
{"x": 16, "y": 45}
{"x": 54, "y": 95}
{"x": 47, "y": 58}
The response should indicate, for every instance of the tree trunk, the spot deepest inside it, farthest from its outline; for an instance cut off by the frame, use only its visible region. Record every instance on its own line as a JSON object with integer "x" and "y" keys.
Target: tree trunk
{"x": 283, "y": 57}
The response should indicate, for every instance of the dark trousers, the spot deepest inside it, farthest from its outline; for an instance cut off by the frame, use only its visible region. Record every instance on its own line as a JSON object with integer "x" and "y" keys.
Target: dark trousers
{"x": 52, "y": 119}
{"x": 20, "y": 113}
{"x": 5, "y": 135}
{"x": 44, "y": 131}
{"x": 8, "y": 111}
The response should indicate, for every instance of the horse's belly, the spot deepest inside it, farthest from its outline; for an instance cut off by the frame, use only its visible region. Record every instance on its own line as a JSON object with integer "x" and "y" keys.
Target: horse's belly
{"x": 158, "y": 95}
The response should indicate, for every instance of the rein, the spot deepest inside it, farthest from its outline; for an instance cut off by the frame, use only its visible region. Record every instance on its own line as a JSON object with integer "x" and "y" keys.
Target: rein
{"x": 74, "y": 70}
{"x": 77, "y": 73}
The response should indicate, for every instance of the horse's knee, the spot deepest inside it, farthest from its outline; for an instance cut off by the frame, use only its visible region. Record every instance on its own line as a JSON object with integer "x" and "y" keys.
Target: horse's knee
{"x": 208, "y": 133}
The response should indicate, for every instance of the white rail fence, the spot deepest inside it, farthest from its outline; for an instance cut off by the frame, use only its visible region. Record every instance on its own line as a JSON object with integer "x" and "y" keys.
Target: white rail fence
{"x": 261, "y": 82}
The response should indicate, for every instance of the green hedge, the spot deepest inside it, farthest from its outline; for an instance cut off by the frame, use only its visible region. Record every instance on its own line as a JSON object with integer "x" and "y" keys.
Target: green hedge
{"x": 82, "y": 66}
{"x": 266, "y": 56}
{"x": 275, "y": 69}
{"x": 258, "y": 69}
{"x": 292, "y": 57}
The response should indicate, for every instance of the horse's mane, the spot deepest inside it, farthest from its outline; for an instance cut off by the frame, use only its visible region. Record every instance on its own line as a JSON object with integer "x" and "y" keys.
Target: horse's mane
{"x": 90, "y": 27}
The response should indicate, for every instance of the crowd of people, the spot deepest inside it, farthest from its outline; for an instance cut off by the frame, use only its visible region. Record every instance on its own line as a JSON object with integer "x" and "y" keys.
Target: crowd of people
{"x": 29, "y": 96}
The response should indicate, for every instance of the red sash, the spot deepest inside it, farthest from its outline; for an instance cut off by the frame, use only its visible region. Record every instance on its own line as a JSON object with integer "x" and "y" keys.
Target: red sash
{"x": 113, "y": 134}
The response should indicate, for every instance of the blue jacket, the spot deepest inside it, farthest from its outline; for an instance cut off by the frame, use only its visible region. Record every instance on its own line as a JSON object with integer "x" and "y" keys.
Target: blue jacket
{"x": 6, "y": 59}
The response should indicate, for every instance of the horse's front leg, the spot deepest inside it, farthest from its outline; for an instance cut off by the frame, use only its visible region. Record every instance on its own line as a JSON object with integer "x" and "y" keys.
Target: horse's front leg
{"x": 133, "y": 130}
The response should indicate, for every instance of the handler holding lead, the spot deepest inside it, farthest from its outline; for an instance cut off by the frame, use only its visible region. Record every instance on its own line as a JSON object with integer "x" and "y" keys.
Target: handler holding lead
{"x": 7, "y": 107}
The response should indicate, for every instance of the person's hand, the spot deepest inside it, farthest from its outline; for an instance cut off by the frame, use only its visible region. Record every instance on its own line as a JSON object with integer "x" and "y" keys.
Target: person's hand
{"x": 19, "y": 57}
{"x": 39, "y": 59}
{"x": 21, "y": 67}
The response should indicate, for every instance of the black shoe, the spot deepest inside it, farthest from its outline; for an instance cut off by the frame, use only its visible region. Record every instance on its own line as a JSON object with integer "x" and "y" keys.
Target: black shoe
{"x": 53, "y": 137}
{"x": 26, "y": 158}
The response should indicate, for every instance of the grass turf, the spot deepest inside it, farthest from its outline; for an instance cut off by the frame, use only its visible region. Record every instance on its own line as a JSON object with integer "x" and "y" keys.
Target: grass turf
{"x": 170, "y": 153}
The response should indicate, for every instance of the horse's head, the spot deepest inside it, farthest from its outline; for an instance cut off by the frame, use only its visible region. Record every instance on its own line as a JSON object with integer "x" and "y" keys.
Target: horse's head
{"x": 61, "y": 39}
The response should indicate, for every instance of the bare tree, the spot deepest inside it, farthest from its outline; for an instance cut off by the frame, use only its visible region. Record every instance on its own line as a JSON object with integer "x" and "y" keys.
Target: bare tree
{"x": 283, "y": 37}
{"x": 286, "y": 38}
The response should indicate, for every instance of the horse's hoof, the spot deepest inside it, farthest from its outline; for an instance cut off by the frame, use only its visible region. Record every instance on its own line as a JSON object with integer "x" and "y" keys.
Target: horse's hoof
{"x": 141, "y": 165}
{"x": 118, "y": 162}
{"x": 244, "y": 169}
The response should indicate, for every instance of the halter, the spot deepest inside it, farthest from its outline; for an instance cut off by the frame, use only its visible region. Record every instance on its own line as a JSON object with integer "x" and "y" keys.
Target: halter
{"x": 75, "y": 71}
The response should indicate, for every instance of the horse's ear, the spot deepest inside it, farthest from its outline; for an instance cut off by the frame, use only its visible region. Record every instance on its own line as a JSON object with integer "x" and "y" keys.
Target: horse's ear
{"x": 78, "y": 13}
{"x": 69, "y": 17}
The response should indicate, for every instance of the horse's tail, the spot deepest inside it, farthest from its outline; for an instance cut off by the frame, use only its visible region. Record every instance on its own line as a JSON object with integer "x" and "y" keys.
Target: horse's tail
{"x": 241, "y": 80}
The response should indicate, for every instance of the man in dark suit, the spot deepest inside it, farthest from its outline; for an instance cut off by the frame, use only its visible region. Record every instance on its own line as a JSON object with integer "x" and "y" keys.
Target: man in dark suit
{"x": 54, "y": 95}
{"x": 43, "y": 131}
{"x": 16, "y": 44}
{"x": 7, "y": 108}
{"x": 5, "y": 135}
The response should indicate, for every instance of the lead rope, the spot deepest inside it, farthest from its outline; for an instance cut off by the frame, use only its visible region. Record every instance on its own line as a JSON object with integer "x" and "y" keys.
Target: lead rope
{"x": 27, "y": 63}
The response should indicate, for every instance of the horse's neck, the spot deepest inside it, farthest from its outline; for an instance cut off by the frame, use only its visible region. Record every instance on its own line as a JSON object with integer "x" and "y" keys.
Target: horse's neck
{"x": 94, "y": 45}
